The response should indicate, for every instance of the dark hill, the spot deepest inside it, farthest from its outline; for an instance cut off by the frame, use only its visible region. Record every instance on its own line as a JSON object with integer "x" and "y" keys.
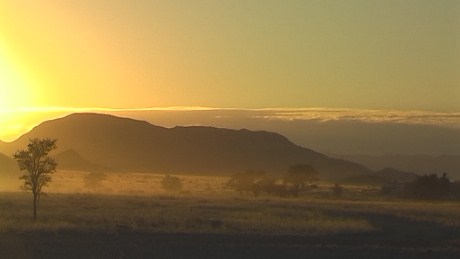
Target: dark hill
{"x": 384, "y": 176}
{"x": 397, "y": 175}
{"x": 132, "y": 145}
{"x": 71, "y": 160}
{"x": 366, "y": 179}
{"x": 421, "y": 164}
{"x": 7, "y": 164}
{"x": 3, "y": 146}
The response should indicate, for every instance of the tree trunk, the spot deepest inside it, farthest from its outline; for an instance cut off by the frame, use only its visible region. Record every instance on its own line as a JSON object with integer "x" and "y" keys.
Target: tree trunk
{"x": 35, "y": 207}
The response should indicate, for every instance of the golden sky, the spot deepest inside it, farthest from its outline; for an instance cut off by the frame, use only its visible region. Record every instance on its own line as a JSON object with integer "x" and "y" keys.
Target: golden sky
{"x": 364, "y": 54}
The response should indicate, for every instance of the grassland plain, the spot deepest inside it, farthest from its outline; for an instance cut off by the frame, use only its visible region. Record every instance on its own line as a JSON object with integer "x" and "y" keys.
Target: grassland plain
{"x": 130, "y": 216}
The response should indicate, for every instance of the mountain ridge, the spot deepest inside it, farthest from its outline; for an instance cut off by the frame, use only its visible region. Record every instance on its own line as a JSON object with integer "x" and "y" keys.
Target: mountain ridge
{"x": 7, "y": 164}
{"x": 137, "y": 146}
{"x": 421, "y": 164}
{"x": 71, "y": 160}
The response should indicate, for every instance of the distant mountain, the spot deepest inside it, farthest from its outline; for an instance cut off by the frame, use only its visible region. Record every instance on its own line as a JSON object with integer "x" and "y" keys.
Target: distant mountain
{"x": 71, "y": 160}
{"x": 419, "y": 164}
{"x": 3, "y": 145}
{"x": 137, "y": 146}
{"x": 384, "y": 176}
{"x": 7, "y": 164}
{"x": 393, "y": 175}
{"x": 352, "y": 132}
{"x": 366, "y": 179}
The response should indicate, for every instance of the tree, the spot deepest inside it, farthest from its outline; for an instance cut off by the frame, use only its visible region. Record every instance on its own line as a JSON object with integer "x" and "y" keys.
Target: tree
{"x": 171, "y": 183}
{"x": 38, "y": 167}
{"x": 430, "y": 187}
{"x": 249, "y": 181}
{"x": 297, "y": 175}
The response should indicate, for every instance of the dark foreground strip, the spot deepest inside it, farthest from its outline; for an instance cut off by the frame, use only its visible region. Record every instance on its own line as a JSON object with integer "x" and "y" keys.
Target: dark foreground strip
{"x": 157, "y": 245}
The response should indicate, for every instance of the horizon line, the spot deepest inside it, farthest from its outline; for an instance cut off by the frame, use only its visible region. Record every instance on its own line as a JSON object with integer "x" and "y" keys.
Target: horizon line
{"x": 14, "y": 128}
{"x": 209, "y": 108}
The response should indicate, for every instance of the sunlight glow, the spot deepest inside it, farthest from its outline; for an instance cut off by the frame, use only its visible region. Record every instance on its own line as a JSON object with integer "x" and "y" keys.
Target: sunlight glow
{"x": 16, "y": 84}
{"x": 17, "y": 89}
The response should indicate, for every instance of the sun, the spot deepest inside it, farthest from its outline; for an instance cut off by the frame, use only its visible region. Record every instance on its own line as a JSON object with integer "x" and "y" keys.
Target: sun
{"x": 13, "y": 95}
{"x": 7, "y": 83}
{"x": 17, "y": 91}
{"x": 16, "y": 86}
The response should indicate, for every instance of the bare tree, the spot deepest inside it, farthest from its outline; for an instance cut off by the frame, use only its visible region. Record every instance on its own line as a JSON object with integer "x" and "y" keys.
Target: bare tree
{"x": 38, "y": 167}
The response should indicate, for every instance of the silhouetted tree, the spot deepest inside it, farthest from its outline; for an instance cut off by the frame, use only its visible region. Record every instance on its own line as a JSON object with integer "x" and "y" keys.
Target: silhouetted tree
{"x": 38, "y": 167}
{"x": 171, "y": 183}
{"x": 429, "y": 187}
{"x": 297, "y": 176}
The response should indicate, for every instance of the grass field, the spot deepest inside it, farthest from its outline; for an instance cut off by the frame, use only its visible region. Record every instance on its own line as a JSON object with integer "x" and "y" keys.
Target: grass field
{"x": 92, "y": 219}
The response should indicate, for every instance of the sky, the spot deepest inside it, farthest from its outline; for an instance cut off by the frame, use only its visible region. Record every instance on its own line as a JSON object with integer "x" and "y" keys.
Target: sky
{"x": 252, "y": 54}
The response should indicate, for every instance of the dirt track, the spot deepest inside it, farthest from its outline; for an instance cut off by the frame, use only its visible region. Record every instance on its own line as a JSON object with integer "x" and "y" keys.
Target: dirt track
{"x": 397, "y": 238}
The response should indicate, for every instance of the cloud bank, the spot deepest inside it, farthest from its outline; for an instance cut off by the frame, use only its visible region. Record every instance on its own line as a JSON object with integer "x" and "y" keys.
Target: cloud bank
{"x": 320, "y": 128}
{"x": 449, "y": 119}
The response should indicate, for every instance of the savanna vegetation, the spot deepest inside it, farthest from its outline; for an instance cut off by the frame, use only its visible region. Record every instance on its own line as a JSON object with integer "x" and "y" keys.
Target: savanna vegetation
{"x": 293, "y": 182}
{"x": 157, "y": 215}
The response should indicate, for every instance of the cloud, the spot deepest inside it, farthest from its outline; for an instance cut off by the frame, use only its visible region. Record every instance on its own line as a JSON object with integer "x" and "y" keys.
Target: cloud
{"x": 450, "y": 119}
{"x": 31, "y": 116}
{"x": 287, "y": 114}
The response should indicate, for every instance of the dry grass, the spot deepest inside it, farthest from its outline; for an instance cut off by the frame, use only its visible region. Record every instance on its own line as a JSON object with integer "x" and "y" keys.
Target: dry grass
{"x": 136, "y": 202}
{"x": 171, "y": 214}
{"x": 129, "y": 215}
{"x": 445, "y": 213}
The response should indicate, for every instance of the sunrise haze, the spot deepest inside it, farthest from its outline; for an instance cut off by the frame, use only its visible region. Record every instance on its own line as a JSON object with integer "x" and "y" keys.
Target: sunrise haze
{"x": 70, "y": 56}
{"x": 230, "y": 129}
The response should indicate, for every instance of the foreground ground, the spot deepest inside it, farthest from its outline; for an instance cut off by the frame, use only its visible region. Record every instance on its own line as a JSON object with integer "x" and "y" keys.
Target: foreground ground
{"x": 89, "y": 226}
{"x": 206, "y": 221}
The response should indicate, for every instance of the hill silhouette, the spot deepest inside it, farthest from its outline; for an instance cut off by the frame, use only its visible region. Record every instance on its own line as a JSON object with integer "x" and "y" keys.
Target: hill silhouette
{"x": 3, "y": 147}
{"x": 393, "y": 175}
{"x": 422, "y": 164}
{"x": 136, "y": 146}
{"x": 7, "y": 164}
{"x": 71, "y": 160}
{"x": 384, "y": 176}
